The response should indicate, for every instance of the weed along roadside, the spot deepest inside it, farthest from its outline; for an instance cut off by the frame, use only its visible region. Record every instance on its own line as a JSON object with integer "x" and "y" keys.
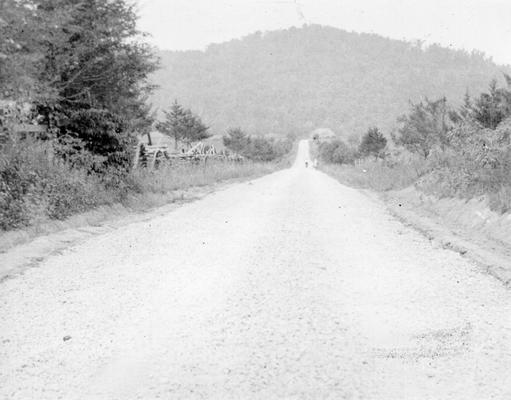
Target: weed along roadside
{"x": 476, "y": 226}
{"x": 51, "y": 203}
{"x": 443, "y": 164}
{"x": 155, "y": 189}
{"x": 82, "y": 138}
{"x": 27, "y": 247}
{"x": 233, "y": 200}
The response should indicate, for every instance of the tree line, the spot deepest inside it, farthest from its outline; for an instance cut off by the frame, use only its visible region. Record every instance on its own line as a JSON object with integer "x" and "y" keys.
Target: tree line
{"x": 257, "y": 148}
{"x": 83, "y": 67}
{"x": 463, "y": 151}
{"x": 429, "y": 125}
{"x": 75, "y": 85}
{"x": 300, "y": 79}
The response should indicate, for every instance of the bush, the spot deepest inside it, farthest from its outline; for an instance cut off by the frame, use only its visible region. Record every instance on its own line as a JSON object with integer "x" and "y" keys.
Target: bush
{"x": 259, "y": 149}
{"x": 101, "y": 133}
{"x": 479, "y": 164}
{"x": 373, "y": 144}
{"x": 34, "y": 185}
{"x": 336, "y": 152}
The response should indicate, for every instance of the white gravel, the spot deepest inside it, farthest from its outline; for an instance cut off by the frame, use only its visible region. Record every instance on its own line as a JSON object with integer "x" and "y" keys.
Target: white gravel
{"x": 291, "y": 286}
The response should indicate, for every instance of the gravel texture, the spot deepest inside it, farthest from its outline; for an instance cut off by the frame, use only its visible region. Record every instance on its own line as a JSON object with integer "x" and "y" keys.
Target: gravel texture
{"x": 291, "y": 286}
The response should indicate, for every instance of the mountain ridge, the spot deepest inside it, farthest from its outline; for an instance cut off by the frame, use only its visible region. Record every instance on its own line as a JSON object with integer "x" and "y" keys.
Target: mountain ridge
{"x": 299, "y": 79}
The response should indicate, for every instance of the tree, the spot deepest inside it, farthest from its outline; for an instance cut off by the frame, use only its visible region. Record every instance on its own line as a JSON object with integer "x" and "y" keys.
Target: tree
{"x": 92, "y": 59}
{"x": 236, "y": 140}
{"x": 194, "y": 129}
{"x": 174, "y": 123}
{"x": 17, "y": 45}
{"x": 103, "y": 134}
{"x": 373, "y": 143}
{"x": 491, "y": 108}
{"x": 183, "y": 125}
{"x": 98, "y": 60}
{"x": 427, "y": 125}
{"x": 70, "y": 58}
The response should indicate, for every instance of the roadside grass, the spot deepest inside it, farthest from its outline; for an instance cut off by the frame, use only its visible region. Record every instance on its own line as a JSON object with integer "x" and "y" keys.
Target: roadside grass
{"x": 154, "y": 187}
{"x": 36, "y": 188}
{"x": 184, "y": 176}
{"x": 377, "y": 175}
{"x": 443, "y": 175}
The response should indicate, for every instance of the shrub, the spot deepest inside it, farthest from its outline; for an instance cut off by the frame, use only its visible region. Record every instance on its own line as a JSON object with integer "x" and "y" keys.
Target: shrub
{"x": 373, "y": 144}
{"x": 479, "y": 164}
{"x": 258, "y": 149}
{"x": 34, "y": 185}
{"x": 103, "y": 134}
{"x": 336, "y": 152}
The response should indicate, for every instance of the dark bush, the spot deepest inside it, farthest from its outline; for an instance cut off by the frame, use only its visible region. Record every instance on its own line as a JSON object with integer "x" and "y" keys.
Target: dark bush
{"x": 336, "y": 152}
{"x": 101, "y": 133}
{"x": 36, "y": 184}
{"x": 373, "y": 144}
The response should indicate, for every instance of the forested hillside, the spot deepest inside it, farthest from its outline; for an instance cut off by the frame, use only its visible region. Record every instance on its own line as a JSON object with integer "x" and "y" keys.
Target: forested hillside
{"x": 74, "y": 80}
{"x": 298, "y": 79}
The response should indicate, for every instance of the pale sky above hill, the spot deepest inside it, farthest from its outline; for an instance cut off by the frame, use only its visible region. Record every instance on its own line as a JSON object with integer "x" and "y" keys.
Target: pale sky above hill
{"x": 469, "y": 24}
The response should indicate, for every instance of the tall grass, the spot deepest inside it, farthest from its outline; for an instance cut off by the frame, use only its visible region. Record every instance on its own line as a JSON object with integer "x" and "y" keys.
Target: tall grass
{"x": 169, "y": 178}
{"x": 36, "y": 186}
{"x": 379, "y": 175}
{"x": 446, "y": 173}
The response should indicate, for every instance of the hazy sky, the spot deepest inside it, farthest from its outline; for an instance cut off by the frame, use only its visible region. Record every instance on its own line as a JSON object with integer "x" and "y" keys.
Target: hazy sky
{"x": 470, "y": 24}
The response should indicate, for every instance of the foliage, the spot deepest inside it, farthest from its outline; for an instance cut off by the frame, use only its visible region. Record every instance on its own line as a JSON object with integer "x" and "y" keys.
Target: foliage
{"x": 256, "y": 148}
{"x": 180, "y": 177}
{"x": 103, "y": 134}
{"x": 491, "y": 108}
{"x": 195, "y": 130}
{"x": 18, "y": 50}
{"x": 84, "y": 65}
{"x": 426, "y": 126}
{"x": 479, "y": 163}
{"x": 183, "y": 125}
{"x": 236, "y": 140}
{"x": 378, "y": 174}
{"x": 299, "y": 79}
{"x": 373, "y": 143}
{"x": 35, "y": 186}
{"x": 336, "y": 152}
{"x": 97, "y": 60}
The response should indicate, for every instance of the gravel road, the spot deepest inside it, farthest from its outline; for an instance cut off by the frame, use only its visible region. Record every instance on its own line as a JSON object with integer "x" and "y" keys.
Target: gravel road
{"x": 291, "y": 286}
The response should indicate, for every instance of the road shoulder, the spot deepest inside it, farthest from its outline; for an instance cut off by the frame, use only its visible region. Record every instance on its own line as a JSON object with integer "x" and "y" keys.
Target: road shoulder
{"x": 29, "y": 249}
{"x": 476, "y": 241}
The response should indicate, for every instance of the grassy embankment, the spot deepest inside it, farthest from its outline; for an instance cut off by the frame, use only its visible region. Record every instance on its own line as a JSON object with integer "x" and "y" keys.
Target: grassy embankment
{"x": 36, "y": 192}
{"x": 459, "y": 195}
{"x": 442, "y": 176}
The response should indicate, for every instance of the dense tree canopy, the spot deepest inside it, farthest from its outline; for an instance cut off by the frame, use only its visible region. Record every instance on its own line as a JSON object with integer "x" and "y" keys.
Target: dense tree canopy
{"x": 300, "y": 79}
{"x": 78, "y": 62}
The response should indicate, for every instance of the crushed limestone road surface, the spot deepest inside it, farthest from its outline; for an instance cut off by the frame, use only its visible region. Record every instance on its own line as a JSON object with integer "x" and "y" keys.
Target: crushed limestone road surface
{"x": 291, "y": 286}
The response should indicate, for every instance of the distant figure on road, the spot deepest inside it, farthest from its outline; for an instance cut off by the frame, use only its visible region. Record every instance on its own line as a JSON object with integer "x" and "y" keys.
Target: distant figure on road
{"x": 306, "y": 164}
